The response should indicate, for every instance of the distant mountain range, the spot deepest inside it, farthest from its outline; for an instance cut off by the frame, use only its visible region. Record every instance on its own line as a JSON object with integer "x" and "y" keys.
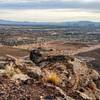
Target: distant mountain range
{"x": 66, "y": 24}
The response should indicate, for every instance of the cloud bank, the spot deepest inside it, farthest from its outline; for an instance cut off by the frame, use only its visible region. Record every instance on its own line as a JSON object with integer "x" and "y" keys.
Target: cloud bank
{"x": 50, "y": 10}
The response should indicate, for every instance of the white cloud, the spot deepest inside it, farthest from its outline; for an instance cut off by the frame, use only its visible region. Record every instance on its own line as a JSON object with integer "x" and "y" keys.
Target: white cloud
{"x": 73, "y": 10}
{"x": 54, "y": 15}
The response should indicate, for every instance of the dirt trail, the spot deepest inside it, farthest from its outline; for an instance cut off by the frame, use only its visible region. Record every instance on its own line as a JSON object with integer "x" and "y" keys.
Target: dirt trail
{"x": 86, "y": 49}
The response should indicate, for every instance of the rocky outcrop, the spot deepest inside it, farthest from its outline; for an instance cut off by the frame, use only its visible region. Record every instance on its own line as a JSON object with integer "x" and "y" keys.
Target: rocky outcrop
{"x": 37, "y": 57}
{"x": 70, "y": 77}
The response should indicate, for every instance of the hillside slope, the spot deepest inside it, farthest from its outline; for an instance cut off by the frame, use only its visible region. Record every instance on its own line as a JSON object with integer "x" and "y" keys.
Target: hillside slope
{"x": 48, "y": 77}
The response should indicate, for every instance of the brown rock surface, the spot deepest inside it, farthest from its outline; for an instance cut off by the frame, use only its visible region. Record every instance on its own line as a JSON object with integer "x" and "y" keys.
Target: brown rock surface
{"x": 54, "y": 77}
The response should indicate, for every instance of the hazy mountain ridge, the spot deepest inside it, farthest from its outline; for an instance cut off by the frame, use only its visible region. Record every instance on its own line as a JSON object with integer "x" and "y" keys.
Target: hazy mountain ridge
{"x": 68, "y": 24}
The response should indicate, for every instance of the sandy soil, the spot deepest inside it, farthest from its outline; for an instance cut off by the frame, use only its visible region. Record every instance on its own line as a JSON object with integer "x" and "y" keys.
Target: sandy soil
{"x": 5, "y": 50}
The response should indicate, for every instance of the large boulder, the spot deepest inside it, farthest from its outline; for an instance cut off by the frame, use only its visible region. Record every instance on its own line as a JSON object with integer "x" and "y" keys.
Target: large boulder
{"x": 36, "y": 56}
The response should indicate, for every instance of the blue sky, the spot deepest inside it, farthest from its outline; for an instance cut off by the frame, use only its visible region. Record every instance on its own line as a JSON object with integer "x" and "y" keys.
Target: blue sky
{"x": 50, "y": 10}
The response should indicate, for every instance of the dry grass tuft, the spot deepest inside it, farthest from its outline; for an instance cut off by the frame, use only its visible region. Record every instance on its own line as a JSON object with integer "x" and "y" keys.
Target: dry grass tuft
{"x": 53, "y": 78}
{"x": 10, "y": 71}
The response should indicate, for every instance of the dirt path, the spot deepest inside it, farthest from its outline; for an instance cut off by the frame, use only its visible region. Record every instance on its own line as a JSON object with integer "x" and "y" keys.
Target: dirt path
{"x": 86, "y": 49}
